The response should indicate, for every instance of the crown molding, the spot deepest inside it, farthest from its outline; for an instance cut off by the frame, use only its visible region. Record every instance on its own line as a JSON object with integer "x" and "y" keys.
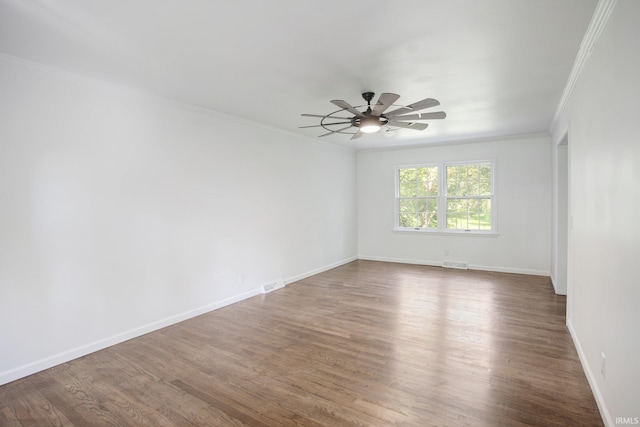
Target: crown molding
{"x": 598, "y": 21}
{"x": 85, "y": 80}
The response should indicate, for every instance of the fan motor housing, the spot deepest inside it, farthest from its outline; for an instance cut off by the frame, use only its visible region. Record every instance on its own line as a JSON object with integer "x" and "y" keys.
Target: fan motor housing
{"x": 368, "y": 117}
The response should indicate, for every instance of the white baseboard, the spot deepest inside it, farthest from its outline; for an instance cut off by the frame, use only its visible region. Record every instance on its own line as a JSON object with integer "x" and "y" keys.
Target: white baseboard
{"x": 83, "y": 350}
{"x": 400, "y": 260}
{"x": 555, "y": 284}
{"x": 604, "y": 413}
{"x": 509, "y": 270}
{"x": 471, "y": 266}
{"x": 319, "y": 270}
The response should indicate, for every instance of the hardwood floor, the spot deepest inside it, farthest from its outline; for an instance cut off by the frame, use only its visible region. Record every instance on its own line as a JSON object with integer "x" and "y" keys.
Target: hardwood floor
{"x": 365, "y": 344}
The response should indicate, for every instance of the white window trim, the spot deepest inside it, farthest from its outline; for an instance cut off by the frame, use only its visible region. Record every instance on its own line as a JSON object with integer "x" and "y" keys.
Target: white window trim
{"x": 442, "y": 198}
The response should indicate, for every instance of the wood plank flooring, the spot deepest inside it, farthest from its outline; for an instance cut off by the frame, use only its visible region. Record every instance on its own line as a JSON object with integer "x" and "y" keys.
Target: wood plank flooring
{"x": 365, "y": 344}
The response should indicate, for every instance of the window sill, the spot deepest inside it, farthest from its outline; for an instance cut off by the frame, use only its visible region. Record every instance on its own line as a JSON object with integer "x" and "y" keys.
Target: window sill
{"x": 448, "y": 233}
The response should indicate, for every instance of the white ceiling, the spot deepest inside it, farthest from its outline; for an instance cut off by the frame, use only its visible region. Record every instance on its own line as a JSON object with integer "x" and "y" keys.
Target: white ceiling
{"x": 498, "y": 67}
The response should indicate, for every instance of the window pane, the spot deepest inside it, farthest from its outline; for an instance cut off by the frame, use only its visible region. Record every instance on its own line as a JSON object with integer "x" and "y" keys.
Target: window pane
{"x": 469, "y": 180}
{"x": 417, "y": 189}
{"x": 480, "y": 215}
{"x": 457, "y": 214}
{"x": 432, "y": 213}
{"x": 452, "y": 180}
{"x": 416, "y": 182}
{"x": 484, "y": 180}
{"x": 431, "y": 188}
{"x": 413, "y": 205}
{"x": 418, "y": 212}
{"x": 409, "y": 220}
{"x": 469, "y": 214}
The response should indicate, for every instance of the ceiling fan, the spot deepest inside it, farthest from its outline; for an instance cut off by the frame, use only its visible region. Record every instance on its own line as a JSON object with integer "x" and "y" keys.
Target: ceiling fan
{"x": 375, "y": 119}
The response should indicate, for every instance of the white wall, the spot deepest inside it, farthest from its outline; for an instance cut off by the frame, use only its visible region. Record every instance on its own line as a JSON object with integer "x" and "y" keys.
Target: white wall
{"x": 604, "y": 234}
{"x": 121, "y": 213}
{"x": 523, "y": 173}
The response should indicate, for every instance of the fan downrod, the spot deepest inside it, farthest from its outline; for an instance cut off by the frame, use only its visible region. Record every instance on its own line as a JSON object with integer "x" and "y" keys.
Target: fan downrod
{"x": 368, "y": 96}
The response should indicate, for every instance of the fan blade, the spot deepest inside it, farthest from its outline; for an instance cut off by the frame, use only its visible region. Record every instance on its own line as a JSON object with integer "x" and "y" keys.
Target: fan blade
{"x": 357, "y": 135}
{"x": 334, "y": 131}
{"x": 416, "y": 126}
{"x": 385, "y": 101}
{"x": 412, "y": 108}
{"x": 420, "y": 116}
{"x": 329, "y": 117}
{"x": 324, "y": 124}
{"x": 346, "y": 106}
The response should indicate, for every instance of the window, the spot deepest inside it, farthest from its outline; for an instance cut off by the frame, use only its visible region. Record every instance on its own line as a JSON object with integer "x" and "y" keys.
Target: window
{"x": 469, "y": 196}
{"x": 418, "y": 197}
{"x": 446, "y": 197}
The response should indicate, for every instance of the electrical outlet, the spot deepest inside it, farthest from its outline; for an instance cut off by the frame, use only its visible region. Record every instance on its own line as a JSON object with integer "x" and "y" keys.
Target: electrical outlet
{"x": 242, "y": 278}
{"x": 603, "y": 365}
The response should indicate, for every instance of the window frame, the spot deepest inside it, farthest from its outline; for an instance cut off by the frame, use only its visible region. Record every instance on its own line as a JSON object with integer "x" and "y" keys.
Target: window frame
{"x": 443, "y": 197}
{"x": 398, "y": 198}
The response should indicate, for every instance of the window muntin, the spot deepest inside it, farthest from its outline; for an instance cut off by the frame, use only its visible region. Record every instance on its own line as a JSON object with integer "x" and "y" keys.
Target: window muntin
{"x": 446, "y": 197}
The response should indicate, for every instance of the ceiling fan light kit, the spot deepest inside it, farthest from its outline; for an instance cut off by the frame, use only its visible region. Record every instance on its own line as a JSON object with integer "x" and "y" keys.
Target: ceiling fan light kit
{"x": 369, "y": 125}
{"x": 374, "y": 119}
